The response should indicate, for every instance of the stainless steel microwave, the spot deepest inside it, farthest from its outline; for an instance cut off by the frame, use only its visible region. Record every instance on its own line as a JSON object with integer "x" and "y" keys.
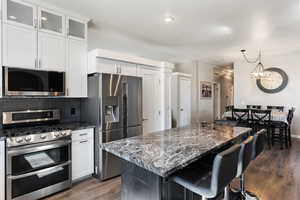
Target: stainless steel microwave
{"x": 25, "y": 82}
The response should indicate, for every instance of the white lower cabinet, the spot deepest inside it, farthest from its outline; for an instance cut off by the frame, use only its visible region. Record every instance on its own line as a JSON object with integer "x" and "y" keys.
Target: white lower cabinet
{"x": 82, "y": 153}
{"x": 2, "y": 170}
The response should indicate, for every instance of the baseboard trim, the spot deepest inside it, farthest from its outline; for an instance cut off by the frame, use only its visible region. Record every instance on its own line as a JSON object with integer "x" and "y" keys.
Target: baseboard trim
{"x": 296, "y": 136}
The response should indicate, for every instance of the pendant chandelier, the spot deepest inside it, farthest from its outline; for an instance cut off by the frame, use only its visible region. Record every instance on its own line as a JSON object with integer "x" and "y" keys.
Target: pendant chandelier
{"x": 259, "y": 71}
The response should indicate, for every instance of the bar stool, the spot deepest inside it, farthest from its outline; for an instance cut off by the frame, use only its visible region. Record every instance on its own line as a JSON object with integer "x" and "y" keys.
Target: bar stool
{"x": 258, "y": 147}
{"x": 245, "y": 158}
{"x": 209, "y": 183}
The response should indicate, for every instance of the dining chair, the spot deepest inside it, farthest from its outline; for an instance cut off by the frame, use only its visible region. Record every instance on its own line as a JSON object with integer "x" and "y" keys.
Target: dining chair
{"x": 288, "y": 128}
{"x": 261, "y": 119}
{"x": 258, "y": 107}
{"x": 279, "y": 108}
{"x": 242, "y": 116}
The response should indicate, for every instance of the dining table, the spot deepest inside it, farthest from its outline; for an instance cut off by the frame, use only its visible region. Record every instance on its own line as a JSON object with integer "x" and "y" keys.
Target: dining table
{"x": 150, "y": 160}
{"x": 276, "y": 115}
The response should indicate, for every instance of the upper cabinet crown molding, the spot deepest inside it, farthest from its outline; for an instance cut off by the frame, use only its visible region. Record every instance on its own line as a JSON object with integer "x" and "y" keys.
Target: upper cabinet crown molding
{"x": 182, "y": 74}
{"x": 108, "y": 54}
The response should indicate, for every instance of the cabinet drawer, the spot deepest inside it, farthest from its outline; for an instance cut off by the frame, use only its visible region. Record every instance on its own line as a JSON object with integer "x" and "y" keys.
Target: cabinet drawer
{"x": 82, "y": 134}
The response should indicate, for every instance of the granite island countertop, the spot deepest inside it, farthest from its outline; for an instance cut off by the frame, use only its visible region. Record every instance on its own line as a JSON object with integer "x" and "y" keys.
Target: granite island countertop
{"x": 165, "y": 152}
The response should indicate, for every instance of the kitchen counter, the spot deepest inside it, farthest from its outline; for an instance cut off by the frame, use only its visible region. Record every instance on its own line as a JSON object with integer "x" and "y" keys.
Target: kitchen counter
{"x": 44, "y": 128}
{"x": 165, "y": 152}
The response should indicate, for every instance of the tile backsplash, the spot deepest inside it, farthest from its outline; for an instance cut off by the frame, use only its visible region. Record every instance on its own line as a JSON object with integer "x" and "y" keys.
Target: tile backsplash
{"x": 69, "y": 107}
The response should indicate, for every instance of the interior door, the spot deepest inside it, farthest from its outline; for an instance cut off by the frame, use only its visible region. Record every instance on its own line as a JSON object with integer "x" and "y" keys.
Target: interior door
{"x": 19, "y": 47}
{"x": 184, "y": 102}
{"x": 151, "y": 102}
{"x": 52, "y": 52}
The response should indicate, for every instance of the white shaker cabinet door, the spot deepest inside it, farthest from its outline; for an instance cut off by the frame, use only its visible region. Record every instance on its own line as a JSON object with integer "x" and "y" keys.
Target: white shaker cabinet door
{"x": 2, "y": 170}
{"x": 82, "y": 153}
{"x": 77, "y": 69}
{"x": 19, "y": 47}
{"x": 52, "y": 52}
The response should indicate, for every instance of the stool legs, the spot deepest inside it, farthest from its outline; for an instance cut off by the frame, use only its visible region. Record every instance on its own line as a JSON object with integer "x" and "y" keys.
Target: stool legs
{"x": 246, "y": 194}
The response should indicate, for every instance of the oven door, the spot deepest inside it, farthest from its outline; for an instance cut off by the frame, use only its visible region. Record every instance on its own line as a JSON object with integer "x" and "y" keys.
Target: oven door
{"x": 24, "y": 82}
{"x": 36, "y": 171}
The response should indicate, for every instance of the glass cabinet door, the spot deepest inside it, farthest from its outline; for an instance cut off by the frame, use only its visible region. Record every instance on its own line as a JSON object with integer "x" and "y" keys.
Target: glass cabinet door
{"x": 19, "y": 13}
{"x": 77, "y": 28}
{"x": 51, "y": 22}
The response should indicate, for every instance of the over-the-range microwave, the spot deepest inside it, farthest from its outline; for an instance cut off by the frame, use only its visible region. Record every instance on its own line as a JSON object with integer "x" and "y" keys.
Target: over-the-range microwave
{"x": 27, "y": 82}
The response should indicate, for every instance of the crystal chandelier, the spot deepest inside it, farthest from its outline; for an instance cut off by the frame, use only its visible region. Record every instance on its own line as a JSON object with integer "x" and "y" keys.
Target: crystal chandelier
{"x": 259, "y": 71}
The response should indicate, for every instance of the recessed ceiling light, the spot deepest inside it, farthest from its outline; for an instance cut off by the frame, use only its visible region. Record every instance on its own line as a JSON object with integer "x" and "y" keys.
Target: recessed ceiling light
{"x": 169, "y": 19}
{"x": 44, "y": 18}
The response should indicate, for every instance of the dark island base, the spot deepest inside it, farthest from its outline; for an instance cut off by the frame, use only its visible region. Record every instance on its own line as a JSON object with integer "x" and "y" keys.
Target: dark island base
{"x": 140, "y": 184}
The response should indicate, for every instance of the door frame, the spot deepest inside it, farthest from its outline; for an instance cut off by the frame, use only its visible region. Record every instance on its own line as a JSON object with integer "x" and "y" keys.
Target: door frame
{"x": 218, "y": 116}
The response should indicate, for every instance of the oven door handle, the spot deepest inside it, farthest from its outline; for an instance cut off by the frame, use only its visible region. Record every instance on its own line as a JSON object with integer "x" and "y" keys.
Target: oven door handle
{"x": 39, "y": 172}
{"x": 37, "y": 148}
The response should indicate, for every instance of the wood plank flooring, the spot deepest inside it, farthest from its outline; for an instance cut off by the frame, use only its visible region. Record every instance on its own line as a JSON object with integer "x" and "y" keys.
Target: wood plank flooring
{"x": 275, "y": 175}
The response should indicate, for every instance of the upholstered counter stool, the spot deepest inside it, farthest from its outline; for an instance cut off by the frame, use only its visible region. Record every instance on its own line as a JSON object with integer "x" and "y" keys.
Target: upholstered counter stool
{"x": 250, "y": 150}
{"x": 209, "y": 183}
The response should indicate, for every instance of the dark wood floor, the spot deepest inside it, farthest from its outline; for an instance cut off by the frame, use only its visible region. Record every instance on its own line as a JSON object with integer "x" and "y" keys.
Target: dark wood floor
{"x": 275, "y": 175}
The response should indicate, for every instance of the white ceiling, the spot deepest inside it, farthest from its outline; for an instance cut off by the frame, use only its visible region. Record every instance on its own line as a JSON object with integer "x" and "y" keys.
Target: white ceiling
{"x": 207, "y": 30}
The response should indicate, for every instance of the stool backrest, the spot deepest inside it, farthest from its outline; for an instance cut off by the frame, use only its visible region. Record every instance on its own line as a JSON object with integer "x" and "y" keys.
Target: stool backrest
{"x": 224, "y": 168}
{"x": 262, "y": 117}
{"x": 245, "y": 155}
{"x": 258, "y": 143}
{"x": 291, "y": 115}
{"x": 240, "y": 114}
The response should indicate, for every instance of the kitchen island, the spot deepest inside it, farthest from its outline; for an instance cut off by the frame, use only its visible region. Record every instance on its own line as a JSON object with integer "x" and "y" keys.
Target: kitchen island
{"x": 149, "y": 160}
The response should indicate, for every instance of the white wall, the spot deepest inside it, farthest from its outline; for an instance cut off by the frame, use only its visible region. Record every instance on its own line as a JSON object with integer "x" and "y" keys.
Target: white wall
{"x": 246, "y": 91}
{"x": 202, "y": 109}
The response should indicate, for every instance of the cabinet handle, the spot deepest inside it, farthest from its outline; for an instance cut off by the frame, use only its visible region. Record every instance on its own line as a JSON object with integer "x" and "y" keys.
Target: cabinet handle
{"x": 82, "y": 134}
{"x": 67, "y": 91}
{"x": 84, "y": 141}
{"x": 40, "y": 63}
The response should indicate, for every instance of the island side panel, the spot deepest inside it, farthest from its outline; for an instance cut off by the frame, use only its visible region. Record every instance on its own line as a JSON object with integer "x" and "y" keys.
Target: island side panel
{"x": 141, "y": 184}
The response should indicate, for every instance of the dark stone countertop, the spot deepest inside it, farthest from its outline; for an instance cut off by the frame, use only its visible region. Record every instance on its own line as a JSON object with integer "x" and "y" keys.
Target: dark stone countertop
{"x": 44, "y": 128}
{"x": 165, "y": 152}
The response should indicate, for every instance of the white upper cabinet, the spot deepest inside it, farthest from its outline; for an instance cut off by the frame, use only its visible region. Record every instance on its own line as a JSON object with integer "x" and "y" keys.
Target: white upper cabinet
{"x": 77, "y": 69}
{"x": 51, "y": 22}
{"x": 19, "y": 47}
{"x": 19, "y": 13}
{"x": 76, "y": 29}
{"x": 52, "y": 52}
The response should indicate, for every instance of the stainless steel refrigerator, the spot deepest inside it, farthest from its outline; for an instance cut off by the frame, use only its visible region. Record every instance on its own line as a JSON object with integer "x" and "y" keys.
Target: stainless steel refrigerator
{"x": 114, "y": 104}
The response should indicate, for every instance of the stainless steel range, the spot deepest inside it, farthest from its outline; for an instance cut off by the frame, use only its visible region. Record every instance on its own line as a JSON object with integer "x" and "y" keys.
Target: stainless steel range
{"x": 38, "y": 161}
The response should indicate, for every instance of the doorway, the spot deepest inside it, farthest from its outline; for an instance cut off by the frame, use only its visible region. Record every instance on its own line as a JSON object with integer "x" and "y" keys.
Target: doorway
{"x": 223, "y": 89}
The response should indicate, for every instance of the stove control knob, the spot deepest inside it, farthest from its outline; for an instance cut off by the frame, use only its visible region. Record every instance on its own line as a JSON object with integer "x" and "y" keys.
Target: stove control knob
{"x": 28, "y": 138}
{"x": 43, "y": 137}
{"x": 56, "y": 134}
{"x": 63, "y": 133}
{"x": 19, "y": 140}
